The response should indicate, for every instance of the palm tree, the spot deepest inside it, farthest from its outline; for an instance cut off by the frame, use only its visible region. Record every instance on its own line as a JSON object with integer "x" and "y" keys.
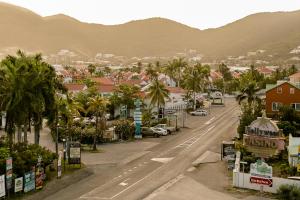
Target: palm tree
{"x": 157, "y": 92}
{"x": 248, "y": 93}
{"x": 91, "y": 69}
{"x": 151, "y": 72}
{"x": 97, "y": 105}
{"x": 174, "y": 69}
{"x": 195, "y": 79}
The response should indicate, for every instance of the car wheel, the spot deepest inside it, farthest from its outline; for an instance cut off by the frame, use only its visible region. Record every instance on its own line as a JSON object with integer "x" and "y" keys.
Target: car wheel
{"x": 169, "y": 132}
{"x": 156, "y": 135}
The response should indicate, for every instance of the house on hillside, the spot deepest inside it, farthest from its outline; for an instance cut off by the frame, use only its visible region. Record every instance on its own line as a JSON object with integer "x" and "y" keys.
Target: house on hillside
{"x": 75, "y": 87}
{"x": 295, "y": 79}
{"x": 265, "y": 71}
{"x": 283, "y": 93}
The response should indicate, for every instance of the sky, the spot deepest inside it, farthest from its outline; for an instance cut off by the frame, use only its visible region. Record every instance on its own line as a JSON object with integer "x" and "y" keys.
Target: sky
{"x": 200, "y": 14}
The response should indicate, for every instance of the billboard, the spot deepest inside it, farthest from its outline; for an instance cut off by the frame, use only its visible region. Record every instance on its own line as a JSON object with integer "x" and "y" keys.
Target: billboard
{"x": 9, "y": 173}
{"x": 261, "y": 173}
{"x": 29, "y": 181}
{"x": 228, "y": 150}
{"x": 74, "y": 153}
{"x": 19, "y": 184}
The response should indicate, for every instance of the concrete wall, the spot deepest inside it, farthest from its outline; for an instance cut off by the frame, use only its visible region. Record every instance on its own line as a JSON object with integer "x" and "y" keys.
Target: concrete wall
{"x": 242, "y": 180}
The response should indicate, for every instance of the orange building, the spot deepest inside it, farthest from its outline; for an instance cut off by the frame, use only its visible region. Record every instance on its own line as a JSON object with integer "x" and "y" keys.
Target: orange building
{"x": 284, "y": 93}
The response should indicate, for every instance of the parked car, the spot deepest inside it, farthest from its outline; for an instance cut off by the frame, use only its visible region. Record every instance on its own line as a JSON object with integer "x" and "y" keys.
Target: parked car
{"x": 199, "y": 113}
{"x": 170, "y": 112}
{"x": 169, "y": 129}
{"x": 160, "y": 131}
{"x": 146, "y": 131}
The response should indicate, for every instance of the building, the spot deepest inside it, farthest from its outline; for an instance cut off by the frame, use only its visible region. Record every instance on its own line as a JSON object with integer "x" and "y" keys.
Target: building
{"x": 294, "y": 150}
{"x": 283, "y": 93}
{"x": 295, "y": 79}
{"x": 263, "y": 138}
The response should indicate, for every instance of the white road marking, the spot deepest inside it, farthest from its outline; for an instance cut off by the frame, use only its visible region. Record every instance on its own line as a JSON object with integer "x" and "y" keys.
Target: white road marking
{"x": 162, "y": 160}
{"x": 136, "y": 182}
{"x": 209, "y": 121}
{"x": 124, "y": 182}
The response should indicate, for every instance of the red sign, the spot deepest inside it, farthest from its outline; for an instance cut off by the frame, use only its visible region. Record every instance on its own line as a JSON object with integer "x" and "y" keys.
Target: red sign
{"x": 261, "y": 181}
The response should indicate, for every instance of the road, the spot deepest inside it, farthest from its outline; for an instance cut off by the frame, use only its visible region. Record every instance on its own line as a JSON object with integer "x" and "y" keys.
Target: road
{"x": 171, "y": 158}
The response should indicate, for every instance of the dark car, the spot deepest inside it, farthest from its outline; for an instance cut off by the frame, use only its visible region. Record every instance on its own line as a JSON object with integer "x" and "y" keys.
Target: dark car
{"x": 146, "y": 131}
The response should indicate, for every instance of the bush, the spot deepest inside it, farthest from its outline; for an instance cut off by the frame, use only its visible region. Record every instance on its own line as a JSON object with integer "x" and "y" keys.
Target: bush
{"x": 25, "y": 156}
{"x": 287, "y": 128}
{"x": 288, "y": 192}
{"x": 125, "y": 129}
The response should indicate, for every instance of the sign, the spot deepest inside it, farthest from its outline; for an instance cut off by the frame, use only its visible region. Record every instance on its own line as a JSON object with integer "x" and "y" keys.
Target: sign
{"x": 261, "y": 181}
{"x": 2, "y": 185}
{"x": 123, "y": 111}
{"x": 261, "y": 173}
{"x": 138, "y": 118}
{"x": 74, "y": 153}
{"x": 59, "y": 169}
{"x": 9, "y": 173}
{"x": 29, "y": 181}
{"x": 228, "y": 150}
{"x": 19, "y": 184}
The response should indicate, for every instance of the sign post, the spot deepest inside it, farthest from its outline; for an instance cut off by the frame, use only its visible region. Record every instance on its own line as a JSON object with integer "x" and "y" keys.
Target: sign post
{"x": 137, "y": 119}
{"x": 74, "y": 153}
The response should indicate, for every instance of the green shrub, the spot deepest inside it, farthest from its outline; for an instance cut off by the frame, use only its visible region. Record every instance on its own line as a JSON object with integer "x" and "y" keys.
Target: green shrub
{"x": 288, "y": 192}
{"x": 125, "y": 129}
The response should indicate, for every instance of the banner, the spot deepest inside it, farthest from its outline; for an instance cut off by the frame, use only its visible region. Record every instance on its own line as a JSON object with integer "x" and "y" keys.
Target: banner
{"x": 29, "y": 181}
{"x": 18, "y": 184}
{"x": 9, "y": 173}
{"x": 2, "y": 186}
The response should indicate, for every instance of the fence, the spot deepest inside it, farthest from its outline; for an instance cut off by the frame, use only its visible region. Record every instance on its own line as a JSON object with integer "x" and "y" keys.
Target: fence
{"x": 242, "y": 180}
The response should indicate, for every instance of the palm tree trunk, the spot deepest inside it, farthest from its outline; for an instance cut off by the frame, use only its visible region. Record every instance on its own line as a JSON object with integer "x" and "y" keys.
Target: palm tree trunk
{"x": 19, "y": 134}
{"x": 25, "y": 132}
{"x": 194, "y": 102}
{"x": 95, "y": 135}
{"x": 37, "y": 134}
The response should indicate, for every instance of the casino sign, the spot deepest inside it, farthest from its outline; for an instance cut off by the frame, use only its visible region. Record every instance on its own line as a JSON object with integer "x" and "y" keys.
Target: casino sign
{"x": 263, "y": 138}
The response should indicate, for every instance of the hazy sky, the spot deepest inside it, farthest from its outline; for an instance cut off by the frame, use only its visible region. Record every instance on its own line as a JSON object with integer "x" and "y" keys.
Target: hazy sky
{"x": 196, "y": 13}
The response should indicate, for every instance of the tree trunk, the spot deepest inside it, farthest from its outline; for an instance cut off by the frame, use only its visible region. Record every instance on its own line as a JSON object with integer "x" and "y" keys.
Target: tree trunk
{"x": 37, "y": 134}
{"x": 19, "y": 134}
{"x": 194, "y": 102}
{"x": 95, "y": 135}
{"x": 25, "y": 132}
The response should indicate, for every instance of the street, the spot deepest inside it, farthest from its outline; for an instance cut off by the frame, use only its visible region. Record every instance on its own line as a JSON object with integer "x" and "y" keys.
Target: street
{"x": 167, "y": 161}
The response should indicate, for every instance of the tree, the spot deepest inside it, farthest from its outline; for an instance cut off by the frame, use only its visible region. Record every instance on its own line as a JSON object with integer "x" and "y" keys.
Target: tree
{"x": 195, "y": 79}
{"x": 157, "y": 92}
{"x": 224, "y": 70}
{"x": 91, "y": 69}
{"x": 174, "y": 69}
{"x": 292, "y": 70}
{"x": 127, "y": 95}
{"x": 151, "y": 72}
{"x": 248, "y": 93}
{"x": 28, "y": 87}
{"x": 97, "y": 105}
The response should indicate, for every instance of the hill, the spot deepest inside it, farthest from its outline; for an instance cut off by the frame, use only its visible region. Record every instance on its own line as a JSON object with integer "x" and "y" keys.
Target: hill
{"x": 275, "y": 32}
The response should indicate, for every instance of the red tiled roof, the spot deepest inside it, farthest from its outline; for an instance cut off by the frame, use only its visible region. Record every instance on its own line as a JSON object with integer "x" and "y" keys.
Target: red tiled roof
{"x": 264, "y": 70}
{"x": 296, "y": 75}
{"x": 176, "y": 90}
{"x": 215, "y": 75}
{"x": 103, "y": 81}
{"x": 74, "y": 86}
{"x": 106, "y": 88}
{"x": 131, "y": 82}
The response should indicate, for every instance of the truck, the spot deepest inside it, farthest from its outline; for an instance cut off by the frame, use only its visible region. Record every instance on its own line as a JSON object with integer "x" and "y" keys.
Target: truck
{"x": 169, "y": 129}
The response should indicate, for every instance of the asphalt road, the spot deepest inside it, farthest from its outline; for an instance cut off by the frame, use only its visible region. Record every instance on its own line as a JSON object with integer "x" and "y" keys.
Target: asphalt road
{"x": 164, "y": 162}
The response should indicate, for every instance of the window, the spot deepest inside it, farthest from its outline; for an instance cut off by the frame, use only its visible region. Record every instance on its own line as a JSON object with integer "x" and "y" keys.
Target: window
{"x": 296, "y": 106}
{"x": 275, "y": 106}
{"x": 279, "y": 90}
{"x": 292, "y": 90}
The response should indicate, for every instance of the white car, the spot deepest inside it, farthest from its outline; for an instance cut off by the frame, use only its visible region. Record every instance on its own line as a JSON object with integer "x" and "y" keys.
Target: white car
{"x": 159, "y": 131}
{"x": 199, "y": 113}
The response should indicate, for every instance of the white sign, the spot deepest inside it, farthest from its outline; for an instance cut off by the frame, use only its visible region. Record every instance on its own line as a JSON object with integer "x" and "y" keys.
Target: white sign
{"x": 18, "y": 184}
{"x": 261, "y": 169}
{"x": 2, "y": 186}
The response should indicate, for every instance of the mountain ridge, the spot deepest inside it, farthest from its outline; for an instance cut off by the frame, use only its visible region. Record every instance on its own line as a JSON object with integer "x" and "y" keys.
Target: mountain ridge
{"x": 276, "y": 32}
